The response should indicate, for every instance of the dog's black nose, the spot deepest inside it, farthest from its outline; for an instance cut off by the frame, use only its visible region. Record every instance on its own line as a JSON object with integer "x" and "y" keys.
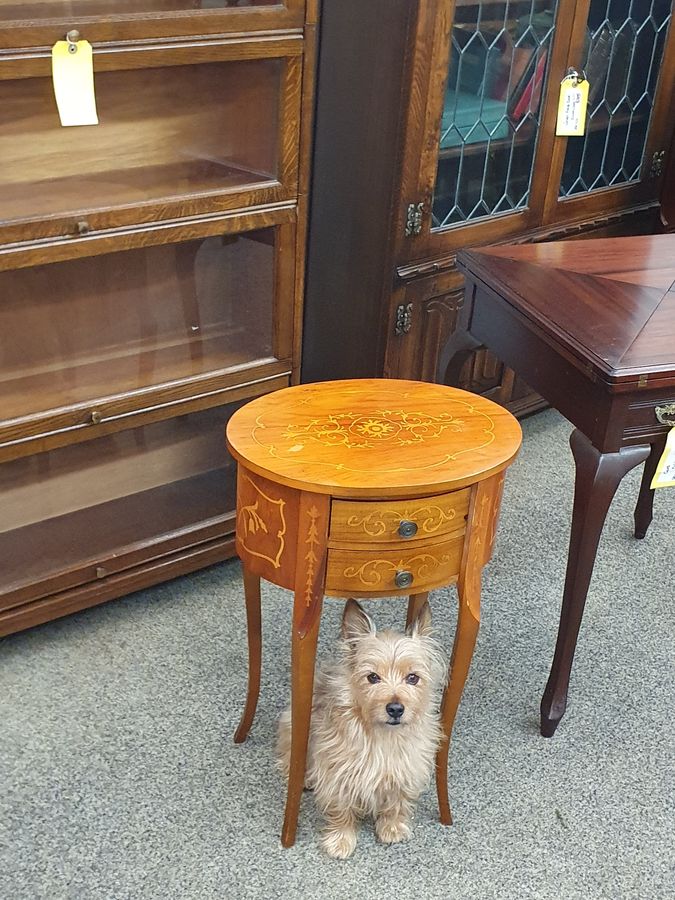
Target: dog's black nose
{"x": 395, "y": 710}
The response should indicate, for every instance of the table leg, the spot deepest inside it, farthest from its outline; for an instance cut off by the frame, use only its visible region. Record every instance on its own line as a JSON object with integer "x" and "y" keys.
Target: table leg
{"x": 310, "y": 576}
{"x": 483, "y": 514}
{"x": 644, "y": 509}
{"x": 254, "y": 632}
{"x": 468, "y": 620}
{"x": 454, "y": 355}
{"x": 597, "y": 477}
{"x": 415, "y": 604}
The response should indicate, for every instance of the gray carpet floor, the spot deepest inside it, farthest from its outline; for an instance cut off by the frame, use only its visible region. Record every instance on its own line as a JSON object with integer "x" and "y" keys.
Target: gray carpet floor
{"x": 119, "y": 778}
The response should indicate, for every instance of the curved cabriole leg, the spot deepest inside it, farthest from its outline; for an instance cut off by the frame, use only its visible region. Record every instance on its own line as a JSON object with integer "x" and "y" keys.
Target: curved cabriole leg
{"x": 597, "y": 477}
{"x": 415, "y": 604}
{"x": 468, "y": 620}
{"x": 645, "y": 505}
{"x": 254, "y": 630}
{"x": 482, "y": 518}
{"x": 310, "y": 574}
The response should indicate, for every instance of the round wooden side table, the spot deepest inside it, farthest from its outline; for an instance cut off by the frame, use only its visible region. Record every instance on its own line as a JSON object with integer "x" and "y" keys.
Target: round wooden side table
{"x": 365, "y": 488}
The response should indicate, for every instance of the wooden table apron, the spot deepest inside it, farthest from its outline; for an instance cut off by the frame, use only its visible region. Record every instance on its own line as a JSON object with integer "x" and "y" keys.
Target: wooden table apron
{"x": 345, "y": 489}
{"x": 617, "y": 419}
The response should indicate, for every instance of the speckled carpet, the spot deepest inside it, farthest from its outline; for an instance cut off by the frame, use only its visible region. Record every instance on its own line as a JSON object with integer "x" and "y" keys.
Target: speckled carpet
{"x": 119, "y": 778}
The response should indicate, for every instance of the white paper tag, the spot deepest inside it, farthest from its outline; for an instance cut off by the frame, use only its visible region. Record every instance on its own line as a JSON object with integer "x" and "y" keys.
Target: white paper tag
{"x": 572, "y": 108}
{"x": 73, "y": 77}
{"x": 665, "y": 471}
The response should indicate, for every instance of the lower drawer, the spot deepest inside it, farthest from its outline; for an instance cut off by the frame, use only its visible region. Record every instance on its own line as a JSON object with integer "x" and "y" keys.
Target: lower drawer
{"x": 384, "y": 573}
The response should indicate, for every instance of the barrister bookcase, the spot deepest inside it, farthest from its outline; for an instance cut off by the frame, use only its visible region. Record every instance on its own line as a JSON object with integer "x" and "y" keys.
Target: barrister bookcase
{"x": 151, "y": 280}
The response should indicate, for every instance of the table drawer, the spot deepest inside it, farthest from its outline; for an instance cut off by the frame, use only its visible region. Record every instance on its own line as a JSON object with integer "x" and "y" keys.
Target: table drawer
{"x": 391, "y": 521}
{"x": 403, "y": 570}
{"x": 648, "y": 417}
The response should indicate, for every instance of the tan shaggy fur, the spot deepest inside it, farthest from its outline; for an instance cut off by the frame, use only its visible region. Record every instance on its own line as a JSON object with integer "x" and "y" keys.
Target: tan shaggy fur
{"x": 360, "y": 761}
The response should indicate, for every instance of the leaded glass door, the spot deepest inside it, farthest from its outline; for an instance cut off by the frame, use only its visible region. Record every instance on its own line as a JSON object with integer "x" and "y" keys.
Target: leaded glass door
{"x": 622, "y": 48}
{"x": 491, "y": 109}
{"x": 476, "y": 139}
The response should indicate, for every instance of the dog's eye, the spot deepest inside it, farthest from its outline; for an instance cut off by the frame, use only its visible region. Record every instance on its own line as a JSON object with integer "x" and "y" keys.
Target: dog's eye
{"x": 412, "y": 678}
{"x": 373, "y": 678}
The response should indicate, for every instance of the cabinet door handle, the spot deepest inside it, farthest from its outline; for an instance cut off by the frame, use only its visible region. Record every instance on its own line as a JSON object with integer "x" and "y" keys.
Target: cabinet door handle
{"x": 96, "y": 417}
{"x": 403, "y": 579}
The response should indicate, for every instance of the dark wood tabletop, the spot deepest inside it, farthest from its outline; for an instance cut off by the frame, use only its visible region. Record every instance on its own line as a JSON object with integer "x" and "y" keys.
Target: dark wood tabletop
{"x": 610, "y": 302}
{"x": 591, "y": 326}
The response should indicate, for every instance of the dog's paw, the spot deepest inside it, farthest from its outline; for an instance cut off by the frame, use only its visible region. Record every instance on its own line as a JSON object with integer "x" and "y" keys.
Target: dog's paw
{"x": 339, "y": 844}
{"x": 391, "y": 831}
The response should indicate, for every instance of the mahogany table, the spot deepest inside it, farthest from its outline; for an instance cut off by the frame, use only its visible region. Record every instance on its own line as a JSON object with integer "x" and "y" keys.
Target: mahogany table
{"x": 591, "y": 326}
{"x": 368, "y": 489}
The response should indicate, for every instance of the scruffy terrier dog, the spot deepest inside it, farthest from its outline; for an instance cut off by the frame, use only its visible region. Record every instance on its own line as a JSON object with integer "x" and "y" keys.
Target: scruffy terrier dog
{"x": 374, "y": 731}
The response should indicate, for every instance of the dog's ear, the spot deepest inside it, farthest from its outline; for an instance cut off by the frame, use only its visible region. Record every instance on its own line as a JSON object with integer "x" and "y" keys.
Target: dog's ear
{"x": 421, "y": 624}
{"x": 356, "y": 622}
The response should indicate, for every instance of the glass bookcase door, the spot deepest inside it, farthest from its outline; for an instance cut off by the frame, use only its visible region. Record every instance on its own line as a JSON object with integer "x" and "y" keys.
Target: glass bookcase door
{"x": 172, "y": 139}
{"x": 106, "y": 339}
{"x": 623, "y": 51}
{"x": 499, "y": 56}
{"x": 41, "y": 22}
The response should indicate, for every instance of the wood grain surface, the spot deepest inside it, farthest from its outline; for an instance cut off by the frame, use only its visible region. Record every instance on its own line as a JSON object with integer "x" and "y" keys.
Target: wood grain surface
{"x": 374, "y": 438}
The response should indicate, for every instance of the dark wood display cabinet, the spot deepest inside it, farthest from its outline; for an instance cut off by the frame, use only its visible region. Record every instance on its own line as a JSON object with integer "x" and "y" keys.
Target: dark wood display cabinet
{"x": 435, "y": 131}
{"x": 151, "y": 276}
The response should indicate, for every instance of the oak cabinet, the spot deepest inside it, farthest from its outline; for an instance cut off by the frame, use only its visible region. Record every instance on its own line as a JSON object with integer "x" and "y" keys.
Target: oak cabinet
{"x": 447, "y": 140}
{"x": 151, "y": 278}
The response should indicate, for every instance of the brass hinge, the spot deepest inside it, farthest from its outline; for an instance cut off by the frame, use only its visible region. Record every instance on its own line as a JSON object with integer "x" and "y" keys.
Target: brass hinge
{"x": 656, "y": 169}
{"x": 403, "y": 319}
{"x": 413, "y": 219}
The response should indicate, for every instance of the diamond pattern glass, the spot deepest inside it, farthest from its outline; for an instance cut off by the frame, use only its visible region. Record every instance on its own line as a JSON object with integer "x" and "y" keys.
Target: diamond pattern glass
{"x": 624, "y": 47}
{"x": 498, "y": 62}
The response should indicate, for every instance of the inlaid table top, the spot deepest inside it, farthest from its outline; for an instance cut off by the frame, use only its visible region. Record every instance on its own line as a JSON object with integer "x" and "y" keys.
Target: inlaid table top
{"x": 609, "y": 302}
{"x": 374, "y": 437}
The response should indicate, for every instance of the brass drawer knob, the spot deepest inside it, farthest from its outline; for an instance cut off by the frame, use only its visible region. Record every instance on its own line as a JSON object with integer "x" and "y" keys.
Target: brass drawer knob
{"x": 96, "y": 417}
{"x": 407, "y": 529}
{"x": 403, "y": 579}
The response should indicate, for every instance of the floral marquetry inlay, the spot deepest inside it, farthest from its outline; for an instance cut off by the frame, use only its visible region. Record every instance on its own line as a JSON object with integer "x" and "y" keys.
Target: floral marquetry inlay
{"x": 428, "y": 518}
{"x": 379, "y": 436}
{"x": 311, "y": 559}
{"x": 357, "y": 432}
{"x": 376, "y": 573}
{"x": 261, "y": 525}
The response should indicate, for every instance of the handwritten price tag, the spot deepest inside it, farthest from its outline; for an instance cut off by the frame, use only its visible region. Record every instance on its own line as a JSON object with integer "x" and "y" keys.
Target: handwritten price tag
{"x": 572, "y": 107}
{"x": 665, "y": 471}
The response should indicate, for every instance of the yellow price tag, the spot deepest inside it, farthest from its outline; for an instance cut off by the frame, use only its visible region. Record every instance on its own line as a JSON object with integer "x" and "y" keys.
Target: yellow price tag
{"x": 73, "y": 77}
{"x": 572, "y": 106}
{"x": 665, "y": 471}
